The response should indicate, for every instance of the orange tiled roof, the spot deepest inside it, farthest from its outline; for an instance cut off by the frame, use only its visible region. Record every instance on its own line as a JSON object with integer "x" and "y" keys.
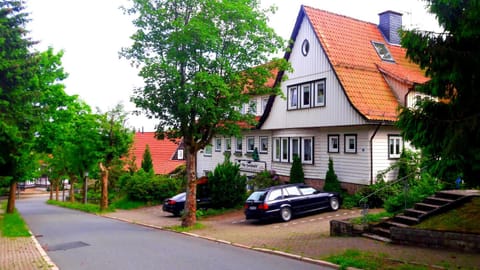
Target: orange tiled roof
{"x": 162, "y": 152}
{"x": 348, "y": 45}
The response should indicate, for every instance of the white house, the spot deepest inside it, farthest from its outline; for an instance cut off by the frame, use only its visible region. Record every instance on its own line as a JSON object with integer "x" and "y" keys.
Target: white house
{"x": 342, "y": 100}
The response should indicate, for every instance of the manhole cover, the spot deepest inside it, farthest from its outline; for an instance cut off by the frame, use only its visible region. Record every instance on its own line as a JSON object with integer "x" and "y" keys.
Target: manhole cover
{"x": 66, "y": 246}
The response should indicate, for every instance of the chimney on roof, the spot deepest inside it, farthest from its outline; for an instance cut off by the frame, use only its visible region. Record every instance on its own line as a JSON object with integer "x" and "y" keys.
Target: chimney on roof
{"x": 390, "y": 24}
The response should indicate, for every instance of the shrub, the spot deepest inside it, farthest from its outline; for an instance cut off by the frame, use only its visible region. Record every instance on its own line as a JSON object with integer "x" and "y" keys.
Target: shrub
{"x": 296, "y": 171}
{"x": 147, "y": 163}
{"x": 264, "y": 179}
{"x": 148, "y": 187}
{"x": 331, "y": 180}
{"x": 415, "y": 191}
{"x": 227, "y": 186}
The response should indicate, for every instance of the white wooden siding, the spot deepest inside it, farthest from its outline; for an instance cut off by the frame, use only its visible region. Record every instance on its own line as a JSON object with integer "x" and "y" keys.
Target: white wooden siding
{"x": 380, "y": 153}
{"x": 208, "y": 163}
{"x": 350, "y": 168}
{"x": 315, "y": 66}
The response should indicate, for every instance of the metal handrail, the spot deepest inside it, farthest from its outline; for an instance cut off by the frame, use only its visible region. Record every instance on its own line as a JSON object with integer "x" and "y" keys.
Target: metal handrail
{"x": 388, "y": 184}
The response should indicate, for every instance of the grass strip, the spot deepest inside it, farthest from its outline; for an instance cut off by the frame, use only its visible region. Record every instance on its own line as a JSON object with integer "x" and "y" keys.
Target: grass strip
{"x": 13, "y": 225}
{"x": 89, "y": 208}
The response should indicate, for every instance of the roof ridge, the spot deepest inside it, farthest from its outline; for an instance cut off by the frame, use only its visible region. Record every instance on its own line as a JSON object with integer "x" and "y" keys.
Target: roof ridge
{"x": 339, "y": 15}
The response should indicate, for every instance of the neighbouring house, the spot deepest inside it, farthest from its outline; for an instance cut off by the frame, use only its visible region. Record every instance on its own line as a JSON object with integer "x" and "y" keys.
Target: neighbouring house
{"x": 341, "y": 102}
{"x": 166, "y": 155}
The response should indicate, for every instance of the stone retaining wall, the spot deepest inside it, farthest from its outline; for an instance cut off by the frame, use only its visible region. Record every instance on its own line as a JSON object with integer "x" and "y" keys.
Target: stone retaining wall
{"x": 345, "y": 228}
{"x": 437, "y": 239}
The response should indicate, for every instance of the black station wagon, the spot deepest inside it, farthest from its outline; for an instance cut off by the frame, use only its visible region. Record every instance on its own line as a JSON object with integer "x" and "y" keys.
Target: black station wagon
{"x": 284, "y": 201}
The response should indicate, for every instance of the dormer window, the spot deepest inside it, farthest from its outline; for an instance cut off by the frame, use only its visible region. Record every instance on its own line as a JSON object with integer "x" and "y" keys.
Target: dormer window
{"x": 383, "y": 51}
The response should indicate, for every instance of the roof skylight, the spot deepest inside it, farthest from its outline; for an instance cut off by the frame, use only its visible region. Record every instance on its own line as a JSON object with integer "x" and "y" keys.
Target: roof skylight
{"x": 383, "y": 51}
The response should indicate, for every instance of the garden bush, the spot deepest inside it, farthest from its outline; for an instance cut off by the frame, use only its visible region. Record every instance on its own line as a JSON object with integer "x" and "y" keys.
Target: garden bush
{"x": 331, "y": 180}
{"x": 227, "y": 186}
{"x": 148, "y": 187}
{"x": 264, "y": 179}
{"x": 296, "y": 171}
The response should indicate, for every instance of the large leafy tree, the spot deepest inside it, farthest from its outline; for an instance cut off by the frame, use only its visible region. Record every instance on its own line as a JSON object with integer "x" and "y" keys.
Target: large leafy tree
{"x": 199, "y": 60}
{"x": 447, "y": 125}
{"x": 115, "y": 140}
{"x": 17, "y": 96}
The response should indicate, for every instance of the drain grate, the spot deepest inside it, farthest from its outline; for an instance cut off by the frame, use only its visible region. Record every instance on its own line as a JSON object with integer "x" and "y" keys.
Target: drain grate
{"x": 66, "y": 246}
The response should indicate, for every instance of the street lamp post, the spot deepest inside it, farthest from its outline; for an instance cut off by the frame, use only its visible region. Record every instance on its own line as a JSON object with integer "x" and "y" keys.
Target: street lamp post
{"x": 85, "y": 187}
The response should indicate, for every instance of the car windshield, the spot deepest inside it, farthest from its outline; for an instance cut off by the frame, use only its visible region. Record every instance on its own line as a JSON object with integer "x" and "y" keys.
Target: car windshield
{"x": 257, "y": 196}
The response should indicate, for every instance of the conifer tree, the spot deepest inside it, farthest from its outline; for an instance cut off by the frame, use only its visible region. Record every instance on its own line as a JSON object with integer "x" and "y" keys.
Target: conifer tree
{"x": 296, "y": 171}
{"x": 147, "y": 163}
{"x": 331, "y": 180}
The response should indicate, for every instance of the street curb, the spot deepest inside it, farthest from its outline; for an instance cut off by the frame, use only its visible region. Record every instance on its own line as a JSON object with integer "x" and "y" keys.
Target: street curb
{"x": 50, "y": 263}
{"x": 264, "y": 250}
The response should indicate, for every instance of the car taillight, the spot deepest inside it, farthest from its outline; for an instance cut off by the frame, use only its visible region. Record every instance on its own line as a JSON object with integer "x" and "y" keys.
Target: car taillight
{"x": 171, "y": 202}
{"x": 263, "y": 206}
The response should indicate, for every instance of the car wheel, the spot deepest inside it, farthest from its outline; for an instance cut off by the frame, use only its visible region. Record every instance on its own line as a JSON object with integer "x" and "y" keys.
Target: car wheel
{"x": 286, "y": 213}
{"x": 334, "y": 203}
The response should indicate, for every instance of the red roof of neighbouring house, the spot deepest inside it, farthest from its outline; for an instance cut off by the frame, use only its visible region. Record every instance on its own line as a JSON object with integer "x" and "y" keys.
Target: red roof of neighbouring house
{"x": 347, "y": 43}
{"x": 162, "y": 151}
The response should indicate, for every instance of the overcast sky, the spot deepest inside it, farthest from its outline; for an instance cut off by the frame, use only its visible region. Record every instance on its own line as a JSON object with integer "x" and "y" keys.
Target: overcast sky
{"x": 92, "y": 32}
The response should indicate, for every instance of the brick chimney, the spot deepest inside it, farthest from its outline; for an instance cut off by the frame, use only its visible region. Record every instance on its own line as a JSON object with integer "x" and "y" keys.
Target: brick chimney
{"x": 390, "y": 24}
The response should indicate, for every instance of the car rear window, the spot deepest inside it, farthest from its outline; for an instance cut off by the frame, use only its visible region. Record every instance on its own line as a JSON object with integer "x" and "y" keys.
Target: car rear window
{"x": 180, "y": 196}
{"x": 257, "y": 196}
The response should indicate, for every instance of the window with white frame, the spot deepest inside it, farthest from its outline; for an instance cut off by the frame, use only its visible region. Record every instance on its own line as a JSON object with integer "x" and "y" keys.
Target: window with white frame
{"x": 333, "y": 143}
{"x": 319, "y": 93}
{"x": 350, "y": 143}
{"x": 228, "y": 144}
{"x": 307, "y": 150}
{"x": 218, "y": 144}
{"x": 284, "y": 150}
{"x": 306, "y": 93}
{"x": 263, "y": 145}
{"x": 292, "y": 97}
{"x": 238, "y": 144}
{"x": 394, "y": 146}
{"x": 250, "y": 144}
{"x": 276, "y": 149}
{"x": 294, "y": 147}
{"x": 208, "y": 150}
{"x": 264, "y": 103}
{"x": 180, "y": 154}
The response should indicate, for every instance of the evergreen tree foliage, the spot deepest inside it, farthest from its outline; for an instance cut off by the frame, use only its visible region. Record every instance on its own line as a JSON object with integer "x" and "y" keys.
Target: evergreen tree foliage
{"x": 227, "y": 186}
{"x": 446, "y": 125}
{"x": 296, "y": 171}
{"x": 331, "y": 180}
{"x": 147, "y": 163}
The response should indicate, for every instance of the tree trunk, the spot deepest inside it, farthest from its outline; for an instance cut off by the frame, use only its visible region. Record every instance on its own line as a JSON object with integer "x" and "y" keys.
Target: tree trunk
{"x": 104, "y": 181}
{"x": 72, "y": 190}
{"x": 57, "y": 191}
{"x": 11, "y": 197}
{"x": 51, "y": 189}
{"x": 190, "y": 213}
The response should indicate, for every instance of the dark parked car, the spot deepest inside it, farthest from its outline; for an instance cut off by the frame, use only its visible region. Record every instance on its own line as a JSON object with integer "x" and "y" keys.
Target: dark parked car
{"x": 284, "y": 201}
{"x": 176, "y": 204}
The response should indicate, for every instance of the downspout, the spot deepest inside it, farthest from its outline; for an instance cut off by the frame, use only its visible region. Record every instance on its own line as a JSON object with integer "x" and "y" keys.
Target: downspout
{"x": 371, "y": 151}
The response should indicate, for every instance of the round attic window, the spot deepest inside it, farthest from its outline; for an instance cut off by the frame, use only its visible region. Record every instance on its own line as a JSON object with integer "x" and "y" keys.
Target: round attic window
{"x": 305, "y": 47}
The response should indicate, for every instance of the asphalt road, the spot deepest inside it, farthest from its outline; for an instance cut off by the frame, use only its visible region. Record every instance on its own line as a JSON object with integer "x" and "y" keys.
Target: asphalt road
{"x": 76, "y": 240}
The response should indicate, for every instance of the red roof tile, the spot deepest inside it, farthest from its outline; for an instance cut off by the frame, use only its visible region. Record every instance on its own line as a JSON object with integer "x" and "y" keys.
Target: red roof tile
{"x": 348, "y": 45}
{"x": 162, "y": 152}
